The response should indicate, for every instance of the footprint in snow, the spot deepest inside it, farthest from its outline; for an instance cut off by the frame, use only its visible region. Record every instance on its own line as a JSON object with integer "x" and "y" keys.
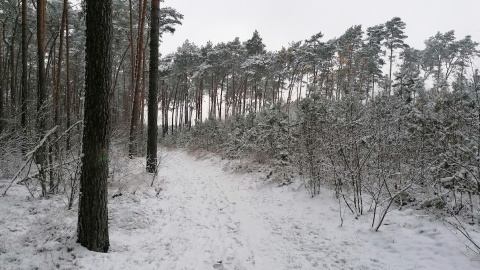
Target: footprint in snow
{"x": 218, "y": 265}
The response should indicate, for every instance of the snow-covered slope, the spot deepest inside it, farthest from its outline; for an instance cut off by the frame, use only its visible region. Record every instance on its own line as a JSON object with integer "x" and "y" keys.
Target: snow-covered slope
{"x": 206, "y": 218}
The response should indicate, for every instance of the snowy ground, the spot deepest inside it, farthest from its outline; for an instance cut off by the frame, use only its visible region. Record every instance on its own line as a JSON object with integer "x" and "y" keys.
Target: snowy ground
{"x": 206, "y": 218}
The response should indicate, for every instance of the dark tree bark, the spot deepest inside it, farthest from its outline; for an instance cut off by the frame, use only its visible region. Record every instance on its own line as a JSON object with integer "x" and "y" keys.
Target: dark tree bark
{"x": 153, "y": 88}
{"x": 93, "y": 211}
{"x": 13, "y": 74}
{"x": 68, "y": 94}
{"x": 24, "y": 66}
{"x": 41, "y": 158}
{"x": 1, "y": 80}
{"x": 132, "y": 65}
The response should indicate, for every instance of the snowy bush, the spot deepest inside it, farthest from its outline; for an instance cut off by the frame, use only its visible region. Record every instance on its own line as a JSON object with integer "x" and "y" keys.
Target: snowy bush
{"x": 10, "y": 153}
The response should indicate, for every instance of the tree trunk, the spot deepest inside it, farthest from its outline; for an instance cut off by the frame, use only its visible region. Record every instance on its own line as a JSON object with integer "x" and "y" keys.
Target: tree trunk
{"x": 1, "y": 80}
{"x": 68, "y": 96}
{"x": 390, "y": 72}
{"x": 164, "y": 110}
{"x": 40, "y": 158}
{"x": 221, "y": 99}
{"x": 93, "y": 210}
{"x": 153, "y": 88}
{"x": 142, "y": 93}
{"x": 136, "y": 110}
{"x": 129, "y": 101}
{"x": 13, "y": 76}
{"x": 24, "y": 83}
{"x": 57, "y": 94}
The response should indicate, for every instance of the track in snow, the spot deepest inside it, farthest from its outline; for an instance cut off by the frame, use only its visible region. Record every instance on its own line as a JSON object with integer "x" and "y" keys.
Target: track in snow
{"x": 221, "y": 220}
{"x": 227, "y": 221}
{"x": 205, "y": 218}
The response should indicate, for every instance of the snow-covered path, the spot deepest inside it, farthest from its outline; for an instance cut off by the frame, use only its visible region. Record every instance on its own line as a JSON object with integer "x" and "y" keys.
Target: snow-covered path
{"x": 206, "y": 218}
{"x": 218, "y": 219}
{"x": 212, "y": 219}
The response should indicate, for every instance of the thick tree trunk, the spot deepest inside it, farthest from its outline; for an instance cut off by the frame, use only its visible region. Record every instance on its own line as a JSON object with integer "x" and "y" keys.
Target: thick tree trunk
{"x": 153, "y": 88}
{"x": 93, "y": 211}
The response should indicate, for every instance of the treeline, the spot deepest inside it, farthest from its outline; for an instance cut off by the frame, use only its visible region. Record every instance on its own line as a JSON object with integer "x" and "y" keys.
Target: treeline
{"x": 237, "y": 77}
{"x": 366, "y": 114}
{"x": 423, "y": 154}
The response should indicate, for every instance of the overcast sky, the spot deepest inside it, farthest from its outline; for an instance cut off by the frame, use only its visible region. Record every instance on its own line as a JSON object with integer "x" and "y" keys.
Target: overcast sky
{"x": 282, "y": 21}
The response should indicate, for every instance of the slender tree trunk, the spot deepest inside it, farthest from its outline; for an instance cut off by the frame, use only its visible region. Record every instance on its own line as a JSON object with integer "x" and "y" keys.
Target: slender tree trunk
{"x": 390, "y": 72}
{"x": 116, "y": 113}
{"x": 142, "y": 93}
{"x": 186, "y": 115}
{"x": 234, "y": 98}
{"x": 200, "y": 102}
{"x": 227, "y": 101}
{"x": 13, "y": 76}
{"x": 57, "y": 94}
{"x": 42, "y": 93}
{"x": 1, "y": 81}
{"x": 93, "y": 211}
{"x": 136, "y": 110}
{"x": 164, "y": 109}
{"x": 255, "y": 93}
{"x": 245, "y": 95}
{"x": 68, "y": 96}
{"x": 221, "y": 99}
{"x": 174, "y": 105}
{"x": 24, "y": 83}
{"x": 129, "y": 100}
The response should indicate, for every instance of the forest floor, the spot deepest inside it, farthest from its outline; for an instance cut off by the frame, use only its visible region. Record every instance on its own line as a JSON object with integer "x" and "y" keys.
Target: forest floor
{"x": 207, "y": 217}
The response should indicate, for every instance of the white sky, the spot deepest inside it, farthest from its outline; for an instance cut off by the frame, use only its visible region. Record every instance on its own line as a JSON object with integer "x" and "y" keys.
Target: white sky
{"x": 281, "y": 21}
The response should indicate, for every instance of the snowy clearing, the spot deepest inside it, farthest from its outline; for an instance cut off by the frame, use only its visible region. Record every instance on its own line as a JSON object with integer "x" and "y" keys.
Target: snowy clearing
{"x": 207, "y": 218}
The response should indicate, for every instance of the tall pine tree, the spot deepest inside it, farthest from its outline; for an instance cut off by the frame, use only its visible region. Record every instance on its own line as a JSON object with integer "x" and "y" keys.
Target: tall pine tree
{"x": 93, "y": 211}
{"x": 394, "y": 39}
{"x": 153, "y": 88}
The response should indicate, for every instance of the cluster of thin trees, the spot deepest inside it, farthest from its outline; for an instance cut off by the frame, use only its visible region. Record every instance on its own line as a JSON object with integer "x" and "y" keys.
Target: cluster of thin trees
{"x": 64, "y": 69}
{"x": 43, "y": 69}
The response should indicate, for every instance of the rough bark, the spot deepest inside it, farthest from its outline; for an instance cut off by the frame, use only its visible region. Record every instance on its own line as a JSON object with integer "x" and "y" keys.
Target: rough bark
{"x": 153, "y": 88}
{"x": 136, "y": 109}
{"x": 40, "y": 158}
{"x": 1, "y": 81}
{"x": 24, "y": 65}
{"x": 13, "y": 74}
{"x": 93, "y": 211}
